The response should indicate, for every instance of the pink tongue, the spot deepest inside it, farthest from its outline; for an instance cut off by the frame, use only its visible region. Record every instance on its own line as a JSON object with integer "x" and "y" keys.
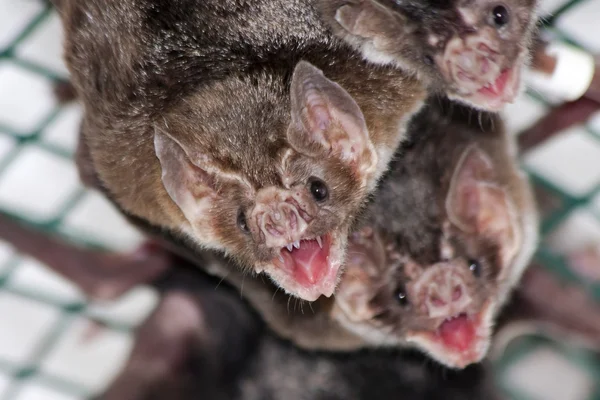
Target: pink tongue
{"x": 499, "y": 85}
{"x": 458, "y": 333}
{"x": 309, "y": 262}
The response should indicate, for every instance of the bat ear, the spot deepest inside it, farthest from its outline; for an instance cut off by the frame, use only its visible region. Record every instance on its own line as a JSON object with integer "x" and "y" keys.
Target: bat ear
{"x": 326, "y": 121}
{"x": 190, "y": 186}
{"x": 363, "y": 265}
{"x": 477, "y": 204}
{"x": 354, "y": 294}
{"x": 370, "y": 19}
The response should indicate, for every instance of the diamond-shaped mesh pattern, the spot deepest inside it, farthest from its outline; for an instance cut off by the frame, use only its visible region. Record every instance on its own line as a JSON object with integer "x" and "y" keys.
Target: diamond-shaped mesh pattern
{"x": 38, "y": 184}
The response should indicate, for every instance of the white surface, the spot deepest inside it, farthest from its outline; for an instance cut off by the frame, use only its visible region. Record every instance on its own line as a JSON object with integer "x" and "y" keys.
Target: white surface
{"x": 63, "y": 131}
{"x": 522, "y": 113}
{"x": 546, "y": 375}
{"x": 15, "y": 16}
{"x": 37, "y": 183}
{"x": 88, "y": 355}
{"x": 37, "y": 278}
{"x": 24, "y": 324}
{"x": 580, "y": 229}
{"x": 6, "y": 253}
{"x": 44, "y": 46}
{"x": 6, "y": 145}
{"x": 5, "y": 381}
{"x": 581, "y": 24}
{"x": 572, "y": 75}
{"x": 571, "y": 160}
{"x": 37, "y": 391}
{"x": 18, "y": 87}
{"x": 96, "y": 217}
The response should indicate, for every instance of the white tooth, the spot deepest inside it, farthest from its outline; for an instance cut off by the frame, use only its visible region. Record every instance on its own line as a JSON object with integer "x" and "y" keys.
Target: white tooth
{"x": 289, "y": 247}
{"x": 319, "y": 241}
{"x": 281, "y": 259}
{"x": 297, "y": 244}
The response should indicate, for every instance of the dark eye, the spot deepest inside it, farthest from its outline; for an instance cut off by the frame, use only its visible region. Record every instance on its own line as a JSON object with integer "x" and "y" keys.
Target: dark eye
{"x": 500, "y": 15}
{"x": 475, "y": 267}
{"x": 428, "y": 60}
{"x": 318, "y": 188}
{"x": 401, "y": 297}
{"x": 241, "y": 222}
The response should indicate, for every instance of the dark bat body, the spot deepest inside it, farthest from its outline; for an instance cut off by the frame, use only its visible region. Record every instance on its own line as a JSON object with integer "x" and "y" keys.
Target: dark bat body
{"x": 202, "y": 343}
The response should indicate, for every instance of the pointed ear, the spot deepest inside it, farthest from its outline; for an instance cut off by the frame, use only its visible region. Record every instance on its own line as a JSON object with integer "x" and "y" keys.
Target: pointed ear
{"x": 477, "y": 204}
{"x": 373, "y": 20}
{"x": 327, "y": 121}
{"x": 189, "y": 186}
{"x": 362, "y": 18}
{"x": 354, "y": 294}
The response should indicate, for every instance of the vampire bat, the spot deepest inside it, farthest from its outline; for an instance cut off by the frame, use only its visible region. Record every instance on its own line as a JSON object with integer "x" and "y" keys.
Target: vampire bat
{"x": 204, "y": 343}
{"x": 471, "y": 50}
{"x": 180, "y": 352}
{"x": 459, "y": 226}
{"x": 272, "y": 175}
{"x": 218, "y": 121}
{"x": 444, "y": 241}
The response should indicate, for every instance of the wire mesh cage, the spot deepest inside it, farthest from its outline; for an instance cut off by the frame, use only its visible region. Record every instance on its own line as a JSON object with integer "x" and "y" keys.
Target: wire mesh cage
{"x": 54, "y": 344}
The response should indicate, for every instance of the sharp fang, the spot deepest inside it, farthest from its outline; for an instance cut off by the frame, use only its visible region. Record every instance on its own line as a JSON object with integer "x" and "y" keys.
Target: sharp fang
{"x": 289, "y": 247}
{"x": 281, "y": 259}
{"x": 319, "y": 241}
{"x": 297, "y": 244}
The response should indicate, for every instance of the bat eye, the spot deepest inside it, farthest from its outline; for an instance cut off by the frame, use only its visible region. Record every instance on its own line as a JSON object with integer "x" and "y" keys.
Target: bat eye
{"x": 428, "y": 59}
{"x": 401, "y": 296}
{"x": 318, "y": 189}
{"x": 241, "y": 222}
{"x": 500, "y": 15}
{"x": 475, "y": 267}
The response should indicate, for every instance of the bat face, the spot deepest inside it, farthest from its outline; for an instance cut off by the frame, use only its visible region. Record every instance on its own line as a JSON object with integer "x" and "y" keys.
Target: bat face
{"x": 276, "y": 196}
{"x": 471, "y": 50}
{"x": 444, "y": 298}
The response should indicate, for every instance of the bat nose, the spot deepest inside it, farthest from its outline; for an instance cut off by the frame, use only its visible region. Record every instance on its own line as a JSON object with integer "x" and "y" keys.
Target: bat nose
{"x": 446, "y": 293}
{"x": 280, "y": 223}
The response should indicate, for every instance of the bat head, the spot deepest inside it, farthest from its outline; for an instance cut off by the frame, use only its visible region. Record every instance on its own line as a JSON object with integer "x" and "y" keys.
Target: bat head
{"x": 274, "y": 184}
{"x": 444, "y": 298}
{"x": 471, "y": 50}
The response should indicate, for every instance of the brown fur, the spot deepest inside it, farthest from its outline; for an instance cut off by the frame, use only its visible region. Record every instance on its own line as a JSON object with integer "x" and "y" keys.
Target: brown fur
{"x": 411, "y": 232}
{"x": 142, "y": 65}
{"x": 415, "y": 35}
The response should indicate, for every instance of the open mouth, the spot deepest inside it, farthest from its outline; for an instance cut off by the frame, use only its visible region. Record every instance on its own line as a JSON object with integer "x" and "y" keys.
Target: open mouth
{"x": 458, "y": 341}
{"x": 457, "y": 333}
{"x": 309, "y": 263}
{"x": 502, "y": 90}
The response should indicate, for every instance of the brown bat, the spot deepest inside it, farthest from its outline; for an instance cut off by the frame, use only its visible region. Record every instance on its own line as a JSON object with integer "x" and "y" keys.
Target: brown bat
{"x": 459, "y": 226}
{"x": 210, "y": 119}
{"x": 443, "y": 243}
{"x": 201, "y": 119}
{"x": 471, "y": 50}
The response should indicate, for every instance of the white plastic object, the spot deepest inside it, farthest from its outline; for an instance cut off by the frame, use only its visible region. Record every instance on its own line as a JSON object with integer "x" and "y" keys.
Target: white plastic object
{"x": 572, "y": 75}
